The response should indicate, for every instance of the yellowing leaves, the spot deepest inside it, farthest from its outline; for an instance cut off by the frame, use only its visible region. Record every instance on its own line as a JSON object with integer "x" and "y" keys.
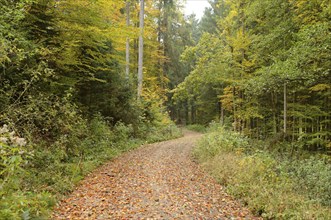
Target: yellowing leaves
{"x": 241, "y": 41}
{"x": 320, "y": 87}
{"x": 310, "y": 11}
{"x": 227, "y": 98}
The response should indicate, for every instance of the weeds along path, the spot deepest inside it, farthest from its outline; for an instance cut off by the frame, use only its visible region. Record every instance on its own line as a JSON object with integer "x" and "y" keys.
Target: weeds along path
{"x": 157, "y": 181}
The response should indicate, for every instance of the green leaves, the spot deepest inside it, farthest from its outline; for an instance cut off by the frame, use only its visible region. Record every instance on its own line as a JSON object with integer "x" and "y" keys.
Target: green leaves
{"x": 260, "y": 47}
{"x": 267, "y": 180}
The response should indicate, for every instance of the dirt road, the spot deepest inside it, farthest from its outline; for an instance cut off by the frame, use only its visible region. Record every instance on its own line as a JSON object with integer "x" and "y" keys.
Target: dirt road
{"x": 157, "y": 181}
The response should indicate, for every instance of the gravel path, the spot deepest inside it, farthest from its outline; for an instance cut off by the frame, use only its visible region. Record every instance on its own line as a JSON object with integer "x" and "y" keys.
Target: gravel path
{"x": 157, "y": 181}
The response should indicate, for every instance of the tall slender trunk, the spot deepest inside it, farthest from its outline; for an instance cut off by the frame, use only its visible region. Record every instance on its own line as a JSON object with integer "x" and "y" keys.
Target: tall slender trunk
{"x": 141, "y": 49}
{"x": 159, "y": 39}
{"x": 274, "y": 117}
{"x": 300, "y": 126}
{"x": 285, "y": 108}
{"x": 294, "y": 120}
{"x": 222, "y": 114}
{"x": 234, "y": 108}
{"x": 127, "y": 51}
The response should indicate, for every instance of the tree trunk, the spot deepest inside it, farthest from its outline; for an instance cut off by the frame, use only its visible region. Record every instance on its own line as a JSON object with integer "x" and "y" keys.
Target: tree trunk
{"x": 234, "y": 107}
{"x": 285, "y": 109}
{"x": 274, "y": 117}
{"x": 222, "y": 114}
{"x": 141, "y": 49}
{"x": 127, "y": 51}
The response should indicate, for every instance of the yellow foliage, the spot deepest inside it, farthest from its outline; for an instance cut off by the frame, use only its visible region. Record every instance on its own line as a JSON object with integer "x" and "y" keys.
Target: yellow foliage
{"x": 227, "y": 98}
{"x": 320, "y": 87}
{"x": 308, "y": 12}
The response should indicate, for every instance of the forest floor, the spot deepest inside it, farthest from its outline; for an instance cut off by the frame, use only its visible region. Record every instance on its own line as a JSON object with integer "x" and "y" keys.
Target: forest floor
{"x": 156, "y": 181}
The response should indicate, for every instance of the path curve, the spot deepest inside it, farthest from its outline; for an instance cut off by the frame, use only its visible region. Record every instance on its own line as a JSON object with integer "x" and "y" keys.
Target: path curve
{"x": 157, "y": 181}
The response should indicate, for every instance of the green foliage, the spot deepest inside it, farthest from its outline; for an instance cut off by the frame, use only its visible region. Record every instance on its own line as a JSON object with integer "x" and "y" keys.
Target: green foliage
{"x": 313, "y": 175}
{"x": 196, "y": 127}
{"x": 123, "y": 132}
{"x": 32, "y": 179}
{"x": 230, "y": 141}
{"x": 62, "y": 88}
{"x": 247, "y": 52}
{"x": 272, "y": 185}
{"x": 26, "y": 205}
{"x": 163, "y": 133}
{"x": 14, "y": 156}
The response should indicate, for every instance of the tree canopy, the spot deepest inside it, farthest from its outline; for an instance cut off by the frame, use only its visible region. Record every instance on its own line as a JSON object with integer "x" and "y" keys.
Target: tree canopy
{"x": 262, "y": 67}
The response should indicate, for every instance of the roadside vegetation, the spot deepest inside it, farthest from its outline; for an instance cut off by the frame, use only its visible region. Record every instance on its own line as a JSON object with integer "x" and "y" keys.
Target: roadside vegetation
{"x": 34, "y": 175}
{"x": 68, "y": 96}
{"x": 275, "y": 180}
{"x": 71, "y": 98}
{"x": 197, "y": 127}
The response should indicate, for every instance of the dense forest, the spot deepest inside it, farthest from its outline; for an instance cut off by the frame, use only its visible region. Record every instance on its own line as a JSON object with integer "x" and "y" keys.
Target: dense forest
{"x": 68, "y": 91}
{"x": 77, "y": 88}
{"x": 262, "y": 67}
{"x": 260, "y": 71}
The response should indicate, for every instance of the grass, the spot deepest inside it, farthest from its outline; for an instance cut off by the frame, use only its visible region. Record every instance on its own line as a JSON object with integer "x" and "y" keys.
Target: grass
{"x": 197, "y": 127}
{"x": 50, "y": 172}
{"x": 272, "y": 186}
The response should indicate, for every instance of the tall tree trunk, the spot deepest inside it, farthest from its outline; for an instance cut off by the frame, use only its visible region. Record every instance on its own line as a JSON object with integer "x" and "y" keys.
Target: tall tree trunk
{"x": 222, "y": 114}
{"x": 274, "y": 117}
{"x": 294, "y": 120}
{"x": 127, "y": 51}
{"x": 165, "y": 35}
{"x": 159, "y": 39}
{"x": 285, "y": 109}
{"x": 234, "y": 108}
{"x": 141, "y": 49}
{"x": 300, "y": 126}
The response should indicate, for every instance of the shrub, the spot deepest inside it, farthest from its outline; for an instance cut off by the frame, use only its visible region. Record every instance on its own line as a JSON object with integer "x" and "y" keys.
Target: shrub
{"x": 13, "y": 156}
{"x": 197, "y": 127}
{"x": 272, "y": 186}
{"x": 213, "y": 143}
{"x": 123, "y": 132}
{"x": 313, "y": 175}
{"x": 33, "y": 178}
{"x": 163, "y": 133}
{"x": 26, "y": 205}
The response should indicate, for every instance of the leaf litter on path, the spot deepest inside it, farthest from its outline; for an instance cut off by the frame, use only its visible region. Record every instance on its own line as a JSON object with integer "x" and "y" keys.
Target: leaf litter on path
{"x": 157, "y": 181}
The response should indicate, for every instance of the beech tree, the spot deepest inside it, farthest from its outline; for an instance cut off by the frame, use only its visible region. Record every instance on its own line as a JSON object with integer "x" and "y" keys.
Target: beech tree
{"x": 267, "y": 69}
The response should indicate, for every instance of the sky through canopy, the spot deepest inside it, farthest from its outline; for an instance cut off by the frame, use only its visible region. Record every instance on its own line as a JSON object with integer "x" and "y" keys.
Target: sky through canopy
{"x": 195, "y": 6}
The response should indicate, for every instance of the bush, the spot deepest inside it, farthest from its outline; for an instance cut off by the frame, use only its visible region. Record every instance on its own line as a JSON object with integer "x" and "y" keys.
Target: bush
{"x": 272, "y": 187}
{"x": 26, "y": 205}
{"x": 15, "y": 158}
{"x": 14, "y": 155}
{"x": 214, "y": 143}
{"x": 49, "y": 171}
{"x": 197, "y": 127}
{"x": 163, "y": 133}
{"x": 33, "y": 178}
{"x": 123, "y": 132}
{"x": 313, "y": 175}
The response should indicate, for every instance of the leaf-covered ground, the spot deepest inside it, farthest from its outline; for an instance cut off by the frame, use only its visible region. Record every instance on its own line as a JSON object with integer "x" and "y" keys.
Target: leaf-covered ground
{"x": 158, "y": 181}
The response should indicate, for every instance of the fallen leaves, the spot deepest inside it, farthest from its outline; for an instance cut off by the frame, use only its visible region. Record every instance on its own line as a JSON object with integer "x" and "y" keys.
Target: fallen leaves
{"x": 158, "y": 181}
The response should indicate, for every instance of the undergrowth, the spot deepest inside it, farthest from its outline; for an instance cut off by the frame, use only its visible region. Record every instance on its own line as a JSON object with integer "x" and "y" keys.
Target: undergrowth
{"x": 273, "y": 185}
{"x": 34, "y": 177}
{"x": 197, "y": 127}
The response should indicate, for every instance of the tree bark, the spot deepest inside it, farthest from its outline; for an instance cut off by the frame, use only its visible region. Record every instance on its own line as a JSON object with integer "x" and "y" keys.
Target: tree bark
{"x": 285, "y": 109}
{"x": 127, "y": 50}
{"x": 222, "y": 115}
{"x": 141, "y": 49}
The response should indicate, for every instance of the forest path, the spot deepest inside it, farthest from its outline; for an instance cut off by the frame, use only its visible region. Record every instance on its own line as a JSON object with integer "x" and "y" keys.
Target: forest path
{"x": 157, "y": 181}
